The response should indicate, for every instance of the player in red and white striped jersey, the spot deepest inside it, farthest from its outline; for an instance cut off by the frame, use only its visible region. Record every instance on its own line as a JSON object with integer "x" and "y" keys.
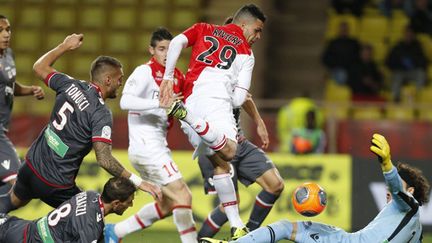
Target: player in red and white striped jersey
{"x": 218, "y": 79}
{"x": 148, "y": 148}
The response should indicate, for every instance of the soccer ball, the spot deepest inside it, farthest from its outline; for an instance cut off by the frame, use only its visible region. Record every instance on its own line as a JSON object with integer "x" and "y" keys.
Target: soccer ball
{"x": 309, "y": 199}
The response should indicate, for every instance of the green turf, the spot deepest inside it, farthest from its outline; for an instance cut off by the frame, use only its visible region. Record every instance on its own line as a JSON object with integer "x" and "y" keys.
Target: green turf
{"x": 153, "y": 236}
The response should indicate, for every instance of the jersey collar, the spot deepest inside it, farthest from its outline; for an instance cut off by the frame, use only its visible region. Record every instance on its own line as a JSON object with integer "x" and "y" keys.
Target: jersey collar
{"x": 97, "y": 88}
{"x": 101, "y": 206}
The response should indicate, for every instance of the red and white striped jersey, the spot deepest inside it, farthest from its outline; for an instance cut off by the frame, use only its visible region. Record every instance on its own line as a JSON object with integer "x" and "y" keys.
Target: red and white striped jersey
{"x": 144, "y": 83}
{"x": 221, "y": 60}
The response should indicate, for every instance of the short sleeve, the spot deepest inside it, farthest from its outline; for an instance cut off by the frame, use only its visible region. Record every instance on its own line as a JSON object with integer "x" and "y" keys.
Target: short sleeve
{"x": 102, "y": 126}
{"x": 56, "y": 80}
{"x": 137, "y": 81}
{"x": 192, "y": 33}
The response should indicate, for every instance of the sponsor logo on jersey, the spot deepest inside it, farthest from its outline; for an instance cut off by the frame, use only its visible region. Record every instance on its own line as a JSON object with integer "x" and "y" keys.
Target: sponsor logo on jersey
{"x": 315, "y": 237}
{"x": 6, "y": 164}
{"x": 106, "y": 132}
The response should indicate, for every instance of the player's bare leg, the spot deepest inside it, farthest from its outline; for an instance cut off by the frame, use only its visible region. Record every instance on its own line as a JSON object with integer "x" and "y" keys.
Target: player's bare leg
{"x": 177, "y": 200}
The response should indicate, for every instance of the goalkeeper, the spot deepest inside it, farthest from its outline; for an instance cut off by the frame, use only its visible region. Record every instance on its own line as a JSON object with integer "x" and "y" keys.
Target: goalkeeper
{"x": 398, "y": 221}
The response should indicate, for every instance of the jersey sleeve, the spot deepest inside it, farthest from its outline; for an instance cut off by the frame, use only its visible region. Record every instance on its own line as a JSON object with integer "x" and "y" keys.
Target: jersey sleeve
{"x": 402, "y": 199}
{"x": 193, "y": 32}
{"x": 56, "y": 80}
{"x": 102, "y": 126}
{"x": 241, "y": 89}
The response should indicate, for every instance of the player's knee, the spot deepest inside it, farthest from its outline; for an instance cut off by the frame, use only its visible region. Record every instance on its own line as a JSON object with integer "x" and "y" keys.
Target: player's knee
{"x": 286, "y": 224}
{"x": 228, "y": 152}
{"x": 183, "y": 195}
{"x": 277, "y": 187}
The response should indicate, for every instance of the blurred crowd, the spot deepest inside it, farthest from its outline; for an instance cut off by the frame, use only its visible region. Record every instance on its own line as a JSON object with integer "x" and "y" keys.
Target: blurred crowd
{"x": 398, "y": 30}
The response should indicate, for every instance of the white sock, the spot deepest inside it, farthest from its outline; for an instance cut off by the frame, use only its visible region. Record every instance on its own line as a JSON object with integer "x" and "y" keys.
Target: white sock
{"x": 215, "y": 140}
{"x": 185, "y": 223}
{"x": 226, "y": 193}
{"x": 145, "y": 217}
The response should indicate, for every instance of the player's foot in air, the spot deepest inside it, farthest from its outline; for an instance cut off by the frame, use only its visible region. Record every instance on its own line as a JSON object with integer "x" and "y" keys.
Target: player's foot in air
{"x": 238, "y": 232}
{"x": 110, "y": 236}
{"x": 177, "y": 110}
{"x": 211, "y": 240}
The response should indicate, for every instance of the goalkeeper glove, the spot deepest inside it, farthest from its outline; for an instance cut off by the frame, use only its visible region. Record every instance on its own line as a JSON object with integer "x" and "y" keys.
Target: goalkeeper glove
{"x": 381, "y": 148}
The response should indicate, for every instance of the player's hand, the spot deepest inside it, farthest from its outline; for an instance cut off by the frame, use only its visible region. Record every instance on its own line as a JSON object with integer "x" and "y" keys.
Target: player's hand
{"x": 170, "y": 101}
{"x": 38, "y": 92}
{"x": 151, "y": 188}
{"x": 166, "y": 93}
{"x": 73, "y": 41}
{"x": 263, "y": 134}
{"x": 381, "y": 148}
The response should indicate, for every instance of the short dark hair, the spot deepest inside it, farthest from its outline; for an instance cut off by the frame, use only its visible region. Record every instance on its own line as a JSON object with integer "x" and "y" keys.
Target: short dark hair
{"x": 160, "y": 34}
{"x": 2, "y": 16}
{"x": 100, "y": 65}
{"x": 117, "y": 188}
{"x": 416, "y": 179}
{"x": 251, "y": 10}
{"x": 228, "y": 20}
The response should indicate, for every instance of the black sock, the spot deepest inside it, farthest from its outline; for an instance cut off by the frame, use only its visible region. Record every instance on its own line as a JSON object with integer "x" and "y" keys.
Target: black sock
{"x": 213, "y": 223}
{"x": 263, "y": 204}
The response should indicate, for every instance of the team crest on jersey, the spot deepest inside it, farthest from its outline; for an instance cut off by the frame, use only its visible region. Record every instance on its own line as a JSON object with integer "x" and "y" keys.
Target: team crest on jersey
{"x": 106, "y": 132}
{"x": 6, "y": 164}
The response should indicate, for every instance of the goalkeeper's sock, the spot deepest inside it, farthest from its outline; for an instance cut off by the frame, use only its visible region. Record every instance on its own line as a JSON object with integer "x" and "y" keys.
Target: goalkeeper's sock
{"x": 145, "y": 217}
{"x": 282, "y": 229}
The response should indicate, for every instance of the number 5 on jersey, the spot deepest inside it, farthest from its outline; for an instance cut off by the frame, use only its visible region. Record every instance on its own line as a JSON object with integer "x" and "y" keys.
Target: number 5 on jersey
{"x": 62, "y": 115}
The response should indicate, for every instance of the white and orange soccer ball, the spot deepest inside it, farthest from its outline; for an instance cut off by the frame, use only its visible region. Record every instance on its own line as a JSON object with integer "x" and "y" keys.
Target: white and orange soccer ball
{"x": 309, "y": 199}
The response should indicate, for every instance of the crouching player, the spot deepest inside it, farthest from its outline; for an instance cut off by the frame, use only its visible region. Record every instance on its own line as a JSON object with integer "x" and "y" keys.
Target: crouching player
{"x": 398, "y": 221}
{"x": 79, "y": 219}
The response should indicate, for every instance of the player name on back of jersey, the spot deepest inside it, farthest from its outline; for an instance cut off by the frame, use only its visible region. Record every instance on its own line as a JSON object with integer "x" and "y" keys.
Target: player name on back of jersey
{"x": 77, "y": 96}
{"x": 81, "y": 204}
{"x": 228, "y": 37}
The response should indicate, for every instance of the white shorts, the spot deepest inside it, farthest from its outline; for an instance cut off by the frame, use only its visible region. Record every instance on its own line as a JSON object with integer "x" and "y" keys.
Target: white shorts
{"x": 155, "y": 163}
{"x": 219, "y": 115}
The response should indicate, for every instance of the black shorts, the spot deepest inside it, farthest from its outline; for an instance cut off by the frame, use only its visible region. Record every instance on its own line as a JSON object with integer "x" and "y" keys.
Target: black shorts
{"x": 29, "y": 186}
{"x": 12, "y": 228}
{"x": 249, "y": 163}
{"x": 9, "y": 161}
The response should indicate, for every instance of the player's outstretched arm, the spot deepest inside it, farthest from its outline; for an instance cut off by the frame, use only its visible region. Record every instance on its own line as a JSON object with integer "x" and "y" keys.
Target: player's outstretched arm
{"x": 43, "y": 66}
{"x": 114, "y": 167}
{"x": 24, "y": 90}
{"x": 381, "y": 148}
{"x": 251, "y": 109}
{"x": 166, "y": 88}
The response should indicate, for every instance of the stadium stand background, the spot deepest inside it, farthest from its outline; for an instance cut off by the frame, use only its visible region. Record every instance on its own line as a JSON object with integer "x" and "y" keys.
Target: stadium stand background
{"x": 288, "y": 57}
